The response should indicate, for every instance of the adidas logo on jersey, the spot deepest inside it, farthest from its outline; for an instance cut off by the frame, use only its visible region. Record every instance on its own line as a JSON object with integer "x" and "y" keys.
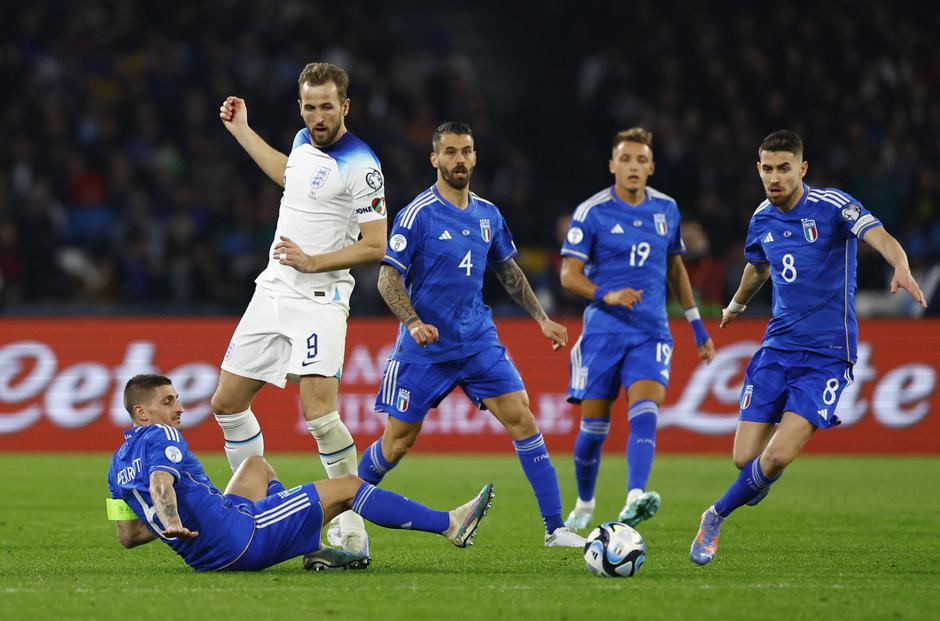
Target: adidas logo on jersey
{"x": 768, "y": 238}
{"x": 617, "y": 228}
{"x": 445, "y": 235}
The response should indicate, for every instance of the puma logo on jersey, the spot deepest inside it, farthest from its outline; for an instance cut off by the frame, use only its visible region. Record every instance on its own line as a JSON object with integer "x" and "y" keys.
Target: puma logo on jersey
{"x": 617, "y": 228}
{"x": 445, "y": 235}
{"x": 768, "y": 238}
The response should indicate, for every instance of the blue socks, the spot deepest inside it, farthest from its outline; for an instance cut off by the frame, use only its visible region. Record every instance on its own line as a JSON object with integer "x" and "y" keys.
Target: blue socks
{"x": 391, "y": 510}
{"x": 641, "y": 447}
{"x": 750, "y": 483}
{"x": 372, "y": 466}
{"x": 538, "y": 468}
{"x": 587, "y": 454}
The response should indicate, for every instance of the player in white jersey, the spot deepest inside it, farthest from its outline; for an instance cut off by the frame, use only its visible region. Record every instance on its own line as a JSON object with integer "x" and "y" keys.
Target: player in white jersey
{"x": 295, "y": 325}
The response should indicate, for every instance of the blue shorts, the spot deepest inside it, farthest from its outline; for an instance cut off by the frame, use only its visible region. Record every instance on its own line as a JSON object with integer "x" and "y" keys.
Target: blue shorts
{"x": 287, "y": 525}
{"x": 410, "y": 389}
{"x": 801, "y": 382}
{"x": 602, "y": 363}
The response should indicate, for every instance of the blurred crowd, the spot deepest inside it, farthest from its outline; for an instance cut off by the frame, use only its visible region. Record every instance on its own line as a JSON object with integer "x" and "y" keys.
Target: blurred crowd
{"x": 120, "y": 191}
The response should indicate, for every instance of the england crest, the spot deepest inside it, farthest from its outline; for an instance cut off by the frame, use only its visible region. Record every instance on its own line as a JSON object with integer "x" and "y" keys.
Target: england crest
{"x": 659, "y": 221}
{"x": 401, "y": 404}
{"x": 485, "y": 230}
{"x": 809, "y": 230}
{"x": 746, "y": 397}
{"x": 319, "y": 177}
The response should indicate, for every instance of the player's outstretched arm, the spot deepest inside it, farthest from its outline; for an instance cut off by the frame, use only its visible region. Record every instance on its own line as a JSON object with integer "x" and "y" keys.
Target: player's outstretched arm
{"x": 517, "y": 286}
{"x": 234, "y": 115}
{"x": 132, "y": 533}
{"x": 392, "y": 289}
{"x": 886, "y": 245}
{"x": 369, "y": 249}
{"x": 574, "y": 280}
{"x": 678, "y": 280}
{"x": 164, "y": 503}
{"x": 752, "y": 279}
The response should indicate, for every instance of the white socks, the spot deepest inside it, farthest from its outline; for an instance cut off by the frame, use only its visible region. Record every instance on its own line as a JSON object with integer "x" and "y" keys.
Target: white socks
{"x": 338, "y": 455}
{"x": 634, "y": 494}
{"x": 243, "y": 437}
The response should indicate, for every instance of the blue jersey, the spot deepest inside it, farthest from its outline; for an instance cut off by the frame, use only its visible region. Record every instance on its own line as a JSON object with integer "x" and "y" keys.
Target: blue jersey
{"x": 811, "y": 252}
{"x": 443, "y": 251}
{"x": 224, "y": 529}
{"x": 625, "y": 246}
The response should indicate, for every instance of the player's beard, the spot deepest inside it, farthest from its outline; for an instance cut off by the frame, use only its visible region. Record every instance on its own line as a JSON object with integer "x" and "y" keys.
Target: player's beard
{"x": 457, "y": 184}
{"x": 330, "y": 136}
{"x": 781, "y": 199}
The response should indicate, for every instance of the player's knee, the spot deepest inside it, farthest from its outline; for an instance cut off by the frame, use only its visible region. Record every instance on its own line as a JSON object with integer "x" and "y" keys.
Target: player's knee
{"x": 223, "y": 404}
{"x": 520, "y": 422}
{"x": 774, "y": 462}
{"x": 740, "y": 460}
{"x": 396, "y": 448}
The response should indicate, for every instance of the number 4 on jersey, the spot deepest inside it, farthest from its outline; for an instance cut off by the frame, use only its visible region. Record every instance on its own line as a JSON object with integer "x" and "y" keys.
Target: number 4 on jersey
{"x": 465, "y": 263}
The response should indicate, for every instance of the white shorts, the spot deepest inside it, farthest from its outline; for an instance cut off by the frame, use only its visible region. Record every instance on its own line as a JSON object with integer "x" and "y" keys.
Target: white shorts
{"x": 282, "y": 337}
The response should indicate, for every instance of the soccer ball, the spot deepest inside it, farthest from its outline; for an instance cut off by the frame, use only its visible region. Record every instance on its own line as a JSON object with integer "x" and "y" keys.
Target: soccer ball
{"x": 614, "y": 550}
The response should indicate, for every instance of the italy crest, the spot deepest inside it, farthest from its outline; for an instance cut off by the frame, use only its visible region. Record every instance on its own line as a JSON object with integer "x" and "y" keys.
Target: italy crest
{"x": 809, "y": 230}
{"x": 659, "y": 221}
{"x": 485, "y": 229}
{"x": 401, "y": 404}
{"x": 746, "y": 397}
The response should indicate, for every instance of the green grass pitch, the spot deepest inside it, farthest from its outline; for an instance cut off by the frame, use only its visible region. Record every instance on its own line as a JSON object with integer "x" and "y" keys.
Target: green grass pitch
{"x": 838, "y": 538}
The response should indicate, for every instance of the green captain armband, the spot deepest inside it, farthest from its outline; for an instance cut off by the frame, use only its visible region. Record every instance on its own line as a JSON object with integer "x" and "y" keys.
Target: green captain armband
{"x": 118, "y": 510}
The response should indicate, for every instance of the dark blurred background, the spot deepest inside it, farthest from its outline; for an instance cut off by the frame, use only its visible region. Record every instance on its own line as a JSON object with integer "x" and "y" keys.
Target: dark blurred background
{"x": 121, "y": 192}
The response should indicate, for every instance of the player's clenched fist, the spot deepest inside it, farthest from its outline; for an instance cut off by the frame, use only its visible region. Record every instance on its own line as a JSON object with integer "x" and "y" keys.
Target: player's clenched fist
{"x": 623, "y": 297}
{"x": 423, "y": 333}
{"x": 555, "y": 332}
{"x": 287, "y": 252}
{"x": 234, "y": 114}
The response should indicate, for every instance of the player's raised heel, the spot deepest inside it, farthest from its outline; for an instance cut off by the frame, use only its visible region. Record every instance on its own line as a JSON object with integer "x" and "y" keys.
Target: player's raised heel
{"x": 705, "y": 544}
{"x": 643, "y": 507}
{"x": 582, "y": 515}
{"x": 327, "y": 558}
{"x": 465, "y": 519}
{"x": 564, "y": 537}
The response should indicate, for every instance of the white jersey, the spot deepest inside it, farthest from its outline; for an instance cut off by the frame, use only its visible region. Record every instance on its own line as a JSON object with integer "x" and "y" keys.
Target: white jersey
{"x": 328, "y": 192}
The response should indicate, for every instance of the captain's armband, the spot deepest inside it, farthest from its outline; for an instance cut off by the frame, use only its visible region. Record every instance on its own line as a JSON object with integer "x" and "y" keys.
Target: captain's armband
{"x": 118, "y": 510}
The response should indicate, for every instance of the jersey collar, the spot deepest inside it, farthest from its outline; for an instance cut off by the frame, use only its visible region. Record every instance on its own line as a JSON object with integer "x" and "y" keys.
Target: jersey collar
{"x": 450, "y": 204}
{"x": 623, "y": 203}
{"x": 131, "y": 432}
{"x": 799, "y": 205}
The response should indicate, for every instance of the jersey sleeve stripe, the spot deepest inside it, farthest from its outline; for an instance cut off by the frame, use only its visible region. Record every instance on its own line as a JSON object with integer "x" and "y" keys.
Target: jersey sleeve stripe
{"x": 419, "y": 200}
{"x": 412, "y": 213}
{"x": 507, "y": 257}
{"x": 580, "y": 214}
{"x": 396, "y": 262}
{"x": 864, "y": 222}
{"x": 170, "y": 469}
{"x": 761, "y": 207}
{"x": 574, "y": 253}
{"x": 481, "y": 199}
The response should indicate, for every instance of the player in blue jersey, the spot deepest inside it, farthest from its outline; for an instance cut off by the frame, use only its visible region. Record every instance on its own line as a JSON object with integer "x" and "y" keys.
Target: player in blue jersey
{"x": 159, "y": 490}
{"x": 804, "y": 239}
{"x": 331, "y": 218}
{"x": 623, "y": 247}
{"x": 432, "y": 279}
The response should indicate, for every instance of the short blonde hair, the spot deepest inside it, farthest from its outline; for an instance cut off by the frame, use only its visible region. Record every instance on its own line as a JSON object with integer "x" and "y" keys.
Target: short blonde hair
{"x": 634, "y": 134}
{"x": 321, "y": 73}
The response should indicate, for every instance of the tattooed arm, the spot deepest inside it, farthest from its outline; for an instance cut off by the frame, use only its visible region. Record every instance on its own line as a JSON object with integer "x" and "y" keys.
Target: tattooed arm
{"x": 164, "y": 503}
{"x": 517, "y": 286}
{"x": 392, "y": 289}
